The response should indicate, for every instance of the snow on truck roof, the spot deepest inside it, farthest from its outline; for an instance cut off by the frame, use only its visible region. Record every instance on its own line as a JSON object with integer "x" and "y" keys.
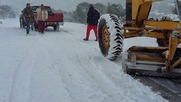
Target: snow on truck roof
{"x": 47, "y": 7}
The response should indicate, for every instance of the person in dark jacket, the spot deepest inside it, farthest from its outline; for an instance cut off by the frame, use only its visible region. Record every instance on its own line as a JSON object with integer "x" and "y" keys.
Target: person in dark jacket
{"x": 92, "y": 21}
{"x": 28, "y": 17}
{"x": 128, "y": 13}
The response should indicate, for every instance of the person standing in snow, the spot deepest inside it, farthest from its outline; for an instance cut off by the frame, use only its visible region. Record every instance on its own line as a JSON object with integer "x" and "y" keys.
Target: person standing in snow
{"x": 128, "y": 13}
{"x": 42, "y": 16}
{"x": 28, "y": 17}
{"x": 92, "y": 21}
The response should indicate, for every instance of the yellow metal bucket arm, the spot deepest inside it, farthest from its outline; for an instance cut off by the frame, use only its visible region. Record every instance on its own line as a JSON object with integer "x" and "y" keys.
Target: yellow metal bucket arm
{"x": 143, "y": 12}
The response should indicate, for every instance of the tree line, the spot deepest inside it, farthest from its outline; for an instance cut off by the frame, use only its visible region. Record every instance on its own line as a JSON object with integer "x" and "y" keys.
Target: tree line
{"x": 6, "y": 12}
{"x": 174, "y": 10}
{"x": 79, "y": 15}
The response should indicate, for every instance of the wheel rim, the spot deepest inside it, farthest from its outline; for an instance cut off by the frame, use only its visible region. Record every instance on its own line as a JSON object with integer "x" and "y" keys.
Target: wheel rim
{"x": 105, "y": 37}
{"x": 110, "y": 36}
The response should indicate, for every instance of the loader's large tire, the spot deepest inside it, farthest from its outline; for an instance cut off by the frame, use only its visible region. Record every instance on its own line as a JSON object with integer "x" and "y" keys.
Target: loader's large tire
{"x": 110, "y": 36}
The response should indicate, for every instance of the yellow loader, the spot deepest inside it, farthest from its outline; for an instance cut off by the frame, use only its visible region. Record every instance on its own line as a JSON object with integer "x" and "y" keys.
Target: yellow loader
{"x": 161, "y": 61}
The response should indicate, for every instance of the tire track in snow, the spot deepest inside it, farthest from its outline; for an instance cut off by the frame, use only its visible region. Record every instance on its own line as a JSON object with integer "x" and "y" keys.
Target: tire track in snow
{"x": 20, "y": 88}
{"x": 99, "y": 82}
{"x": 91, "y": 77}
{"x": 108, "y": 97}
{"x": 117, "y": 83}
{"x": 79, "y": 87}
{"x": 48, "y": 49}
{"x": 67, "y": 95}
{"x": 67, "y": 90}
{"x": 106, "y": 85}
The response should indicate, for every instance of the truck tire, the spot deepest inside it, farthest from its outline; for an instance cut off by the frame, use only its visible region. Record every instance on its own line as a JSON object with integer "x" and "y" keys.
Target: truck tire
{"x": 110, "y": 36}
{"x": 35, "y": 26}
{"x": 22, "y": 25}
{"x": 56, "y": 27}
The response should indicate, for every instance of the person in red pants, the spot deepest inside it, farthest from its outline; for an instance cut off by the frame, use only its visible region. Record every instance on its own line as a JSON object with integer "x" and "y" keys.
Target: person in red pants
{"x": 92, "y": 21}
{"x": 42, "y": 16}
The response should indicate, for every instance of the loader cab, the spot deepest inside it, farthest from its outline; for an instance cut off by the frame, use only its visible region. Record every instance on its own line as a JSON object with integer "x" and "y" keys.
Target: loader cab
{"x": 136, "y": 12}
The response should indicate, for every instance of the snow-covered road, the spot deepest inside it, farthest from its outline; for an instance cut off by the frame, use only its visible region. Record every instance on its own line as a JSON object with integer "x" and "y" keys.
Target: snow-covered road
{"x": 60, "y": 67}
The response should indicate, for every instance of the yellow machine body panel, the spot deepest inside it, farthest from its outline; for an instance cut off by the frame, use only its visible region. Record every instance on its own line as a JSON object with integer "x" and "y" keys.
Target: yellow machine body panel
{"x": 167, "y": 32}
{"x": 164, "y": 25}
{"x": 135, "y": 5}
{"x": 143, "y": 12}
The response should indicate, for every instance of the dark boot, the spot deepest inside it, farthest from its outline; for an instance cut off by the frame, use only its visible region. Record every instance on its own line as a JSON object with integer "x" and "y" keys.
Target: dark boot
{"x": 85, "y": 39}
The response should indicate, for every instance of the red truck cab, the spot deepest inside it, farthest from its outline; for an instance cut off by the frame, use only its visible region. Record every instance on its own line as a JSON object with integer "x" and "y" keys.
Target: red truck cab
{"x": 55, "y": 19}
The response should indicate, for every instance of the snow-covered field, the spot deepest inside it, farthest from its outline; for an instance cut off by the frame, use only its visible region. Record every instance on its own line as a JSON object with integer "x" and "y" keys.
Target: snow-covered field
{"x": 60, "y": 67}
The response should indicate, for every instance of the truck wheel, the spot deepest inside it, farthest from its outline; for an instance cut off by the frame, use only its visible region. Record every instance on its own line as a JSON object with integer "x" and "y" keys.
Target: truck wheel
{"x": 21, "y": 25}
{"x": 110, "y": 36}
{"x": 57, "y": 27}
{"x": 35, "y": 26}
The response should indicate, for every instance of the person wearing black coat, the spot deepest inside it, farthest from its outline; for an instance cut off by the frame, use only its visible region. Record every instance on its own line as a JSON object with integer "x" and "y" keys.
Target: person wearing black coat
{"x": 28, "y": 17}
{"x": 92, "y": 21}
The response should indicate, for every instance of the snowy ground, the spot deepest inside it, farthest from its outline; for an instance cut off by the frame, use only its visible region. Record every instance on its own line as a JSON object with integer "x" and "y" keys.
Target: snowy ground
{"x": 61, "y": 67}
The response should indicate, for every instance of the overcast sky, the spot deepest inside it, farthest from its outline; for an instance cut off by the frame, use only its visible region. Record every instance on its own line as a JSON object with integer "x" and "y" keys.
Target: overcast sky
{"x": 66, "y": 5}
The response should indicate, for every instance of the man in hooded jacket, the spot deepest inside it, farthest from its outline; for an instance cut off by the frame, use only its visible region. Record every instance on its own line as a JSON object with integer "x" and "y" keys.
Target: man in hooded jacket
{"x": 92, "y": 21}
{"x": 28, "y": 16}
